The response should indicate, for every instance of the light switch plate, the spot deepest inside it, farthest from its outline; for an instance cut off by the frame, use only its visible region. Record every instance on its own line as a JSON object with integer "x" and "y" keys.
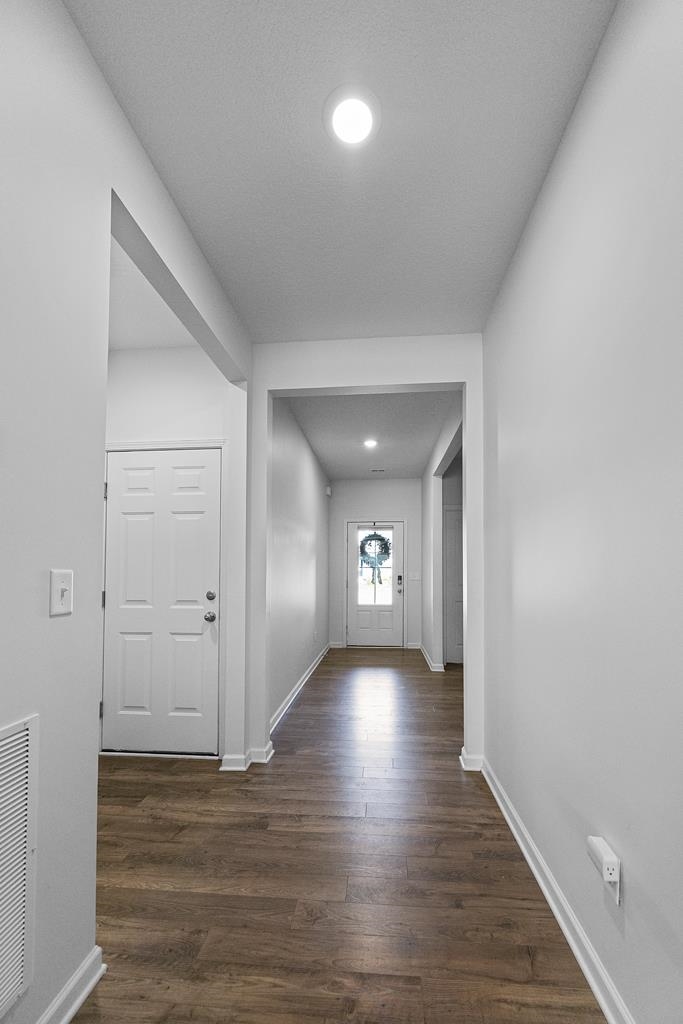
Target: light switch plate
{"x": 61, "y": 591}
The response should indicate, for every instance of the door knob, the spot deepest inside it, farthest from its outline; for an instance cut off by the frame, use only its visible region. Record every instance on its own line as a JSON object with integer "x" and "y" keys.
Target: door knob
{"x": 210, "y": 616}
{"x": 211, "y": 595}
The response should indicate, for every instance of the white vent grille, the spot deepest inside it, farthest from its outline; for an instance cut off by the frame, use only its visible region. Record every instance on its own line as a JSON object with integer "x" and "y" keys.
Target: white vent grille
{"x": 18, "y": 748}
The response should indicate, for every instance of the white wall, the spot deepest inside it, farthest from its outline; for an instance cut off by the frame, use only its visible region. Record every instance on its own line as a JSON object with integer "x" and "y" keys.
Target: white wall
{"x": 368, "y": 500}
{"x": 70, "y": 146}
{"x": 177, "y": 394}
{"x": 166, "y": 394}
{"x": 298, "y": 558}
{"x": 583, "y": 366}
{"x": 366, "y": 364}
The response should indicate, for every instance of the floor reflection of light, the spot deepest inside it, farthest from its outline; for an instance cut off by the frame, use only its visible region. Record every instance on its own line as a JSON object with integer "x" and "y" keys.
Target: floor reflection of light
{"x": 374, "y": 696}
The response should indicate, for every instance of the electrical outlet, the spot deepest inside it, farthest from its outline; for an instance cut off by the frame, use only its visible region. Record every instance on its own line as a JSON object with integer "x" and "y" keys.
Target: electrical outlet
{"x": 611, "y": 872}
{"x": 607, "y": 863}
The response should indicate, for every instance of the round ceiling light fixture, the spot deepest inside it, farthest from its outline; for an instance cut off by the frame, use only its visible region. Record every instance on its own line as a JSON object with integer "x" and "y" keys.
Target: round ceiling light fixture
{"x": 370, "y": 443}
{"x": 351, "y": 116}
{"x": 352, "y": 121}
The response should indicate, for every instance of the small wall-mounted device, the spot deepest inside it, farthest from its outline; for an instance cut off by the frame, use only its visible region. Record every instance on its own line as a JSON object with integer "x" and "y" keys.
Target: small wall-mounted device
{"x": 61, "y": 591}
{"x": 607, "y": 863}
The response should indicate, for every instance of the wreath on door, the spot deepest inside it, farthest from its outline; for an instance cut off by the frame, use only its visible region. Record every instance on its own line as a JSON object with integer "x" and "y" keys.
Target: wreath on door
{"x": 374, "y": 551}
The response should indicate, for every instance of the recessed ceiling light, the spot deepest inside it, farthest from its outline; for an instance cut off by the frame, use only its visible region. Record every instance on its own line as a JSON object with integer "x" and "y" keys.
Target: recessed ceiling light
{"x": 352, "y": 120}
{"x": 351, "y": 116}
{"x": 370, "y": 443}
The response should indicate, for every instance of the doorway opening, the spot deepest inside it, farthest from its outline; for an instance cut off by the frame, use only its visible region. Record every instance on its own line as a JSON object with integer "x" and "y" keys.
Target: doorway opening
{"x": 453, "y": 593}
{"x": 372, "y": 494}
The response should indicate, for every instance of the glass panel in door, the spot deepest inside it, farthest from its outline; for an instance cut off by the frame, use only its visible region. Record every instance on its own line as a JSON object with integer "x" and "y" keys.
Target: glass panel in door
{"x": 374, "y": 550}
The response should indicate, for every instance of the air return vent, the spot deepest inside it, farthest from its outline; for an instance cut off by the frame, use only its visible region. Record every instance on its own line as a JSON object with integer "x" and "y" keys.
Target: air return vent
{"x": 18, "y": 750}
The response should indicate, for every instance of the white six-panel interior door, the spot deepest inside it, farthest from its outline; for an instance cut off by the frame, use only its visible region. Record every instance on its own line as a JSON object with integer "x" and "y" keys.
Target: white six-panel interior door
{"x": 375, "y": 584}
{"x": 160, "y": 689}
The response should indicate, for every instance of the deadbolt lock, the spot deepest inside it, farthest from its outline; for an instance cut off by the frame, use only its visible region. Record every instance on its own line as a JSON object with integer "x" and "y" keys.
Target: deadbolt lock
{"x": 211, "y": 595}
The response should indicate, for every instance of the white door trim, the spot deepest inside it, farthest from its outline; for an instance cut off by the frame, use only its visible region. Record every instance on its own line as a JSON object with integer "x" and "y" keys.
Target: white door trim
{"x": 345, "y": 584}
{"x": 190, "y": 444}
{"x": 164, "y": 445}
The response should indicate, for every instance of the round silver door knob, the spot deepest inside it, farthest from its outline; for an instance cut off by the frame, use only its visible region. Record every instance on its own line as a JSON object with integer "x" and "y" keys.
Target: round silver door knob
{"x": 210, "y": 616}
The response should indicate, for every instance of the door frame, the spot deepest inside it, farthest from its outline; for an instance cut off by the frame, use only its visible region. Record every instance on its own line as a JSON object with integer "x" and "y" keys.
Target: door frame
{"x": 187, "y": 444}
{"x": 345, "y": 599}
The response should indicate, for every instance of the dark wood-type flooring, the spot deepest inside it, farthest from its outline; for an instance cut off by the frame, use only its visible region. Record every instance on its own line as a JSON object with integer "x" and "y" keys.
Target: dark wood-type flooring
{"x": 361, "y": 876}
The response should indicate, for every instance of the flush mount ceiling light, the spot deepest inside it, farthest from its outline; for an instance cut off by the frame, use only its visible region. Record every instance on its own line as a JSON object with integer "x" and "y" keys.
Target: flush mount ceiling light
{"x": 370, "y": 443}
{"x": 352, "y": 120}
{"x": 351, "y": 116}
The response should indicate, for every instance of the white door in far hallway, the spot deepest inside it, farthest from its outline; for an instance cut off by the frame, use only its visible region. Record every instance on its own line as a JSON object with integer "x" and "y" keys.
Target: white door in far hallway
{"x": 160, "y": 691}
{"x": 375, "y": 584}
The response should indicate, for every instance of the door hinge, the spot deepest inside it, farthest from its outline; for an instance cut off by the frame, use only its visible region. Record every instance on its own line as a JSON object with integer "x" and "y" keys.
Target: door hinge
{"x": 103, "y": 597}
{"x": 101, "y": 709}
{"x": 105, "y": 490}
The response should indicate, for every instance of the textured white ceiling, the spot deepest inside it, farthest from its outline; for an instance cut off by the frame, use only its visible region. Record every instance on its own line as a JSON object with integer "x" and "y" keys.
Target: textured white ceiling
{"x": 405, "y": 427}
{"x": 138, "y": 316}
{"x": 408, "y": 235}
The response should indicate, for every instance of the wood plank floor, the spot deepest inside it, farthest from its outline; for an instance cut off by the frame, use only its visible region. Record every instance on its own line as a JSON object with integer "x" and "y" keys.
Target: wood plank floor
{"x": 361, "y": 876}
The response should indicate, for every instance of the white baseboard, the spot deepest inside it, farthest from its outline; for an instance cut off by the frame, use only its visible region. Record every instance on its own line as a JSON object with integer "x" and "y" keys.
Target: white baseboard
{"x": 235, "y": 763}
{"x": 413, "y": 647}
{"x": 68, "y": 1002}
{"x": 433, "y": 665}
{"x": 471, "y": 762}
{"x": 261, "y": 755}
{"x": 293, "y": 693}
{"x": 240, "y": 762}
{"x": 174, "y": 757}
{"x": 336, "y": 644}
{"x": 604, "y": 989}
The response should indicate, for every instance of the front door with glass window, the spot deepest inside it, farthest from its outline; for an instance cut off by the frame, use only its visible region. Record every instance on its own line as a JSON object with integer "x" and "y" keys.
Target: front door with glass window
{"x": 375, "y": 585}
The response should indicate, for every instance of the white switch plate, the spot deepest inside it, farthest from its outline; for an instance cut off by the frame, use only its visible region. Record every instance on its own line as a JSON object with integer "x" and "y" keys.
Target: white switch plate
{"x": 61, "y": 591}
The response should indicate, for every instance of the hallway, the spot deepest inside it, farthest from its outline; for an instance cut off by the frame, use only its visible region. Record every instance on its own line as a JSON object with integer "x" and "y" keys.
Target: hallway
{"x": 360, "y": 876}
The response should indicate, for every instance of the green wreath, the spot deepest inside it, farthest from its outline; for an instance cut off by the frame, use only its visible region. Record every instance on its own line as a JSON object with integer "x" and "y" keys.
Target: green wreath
{"x": 375, "y": 561}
